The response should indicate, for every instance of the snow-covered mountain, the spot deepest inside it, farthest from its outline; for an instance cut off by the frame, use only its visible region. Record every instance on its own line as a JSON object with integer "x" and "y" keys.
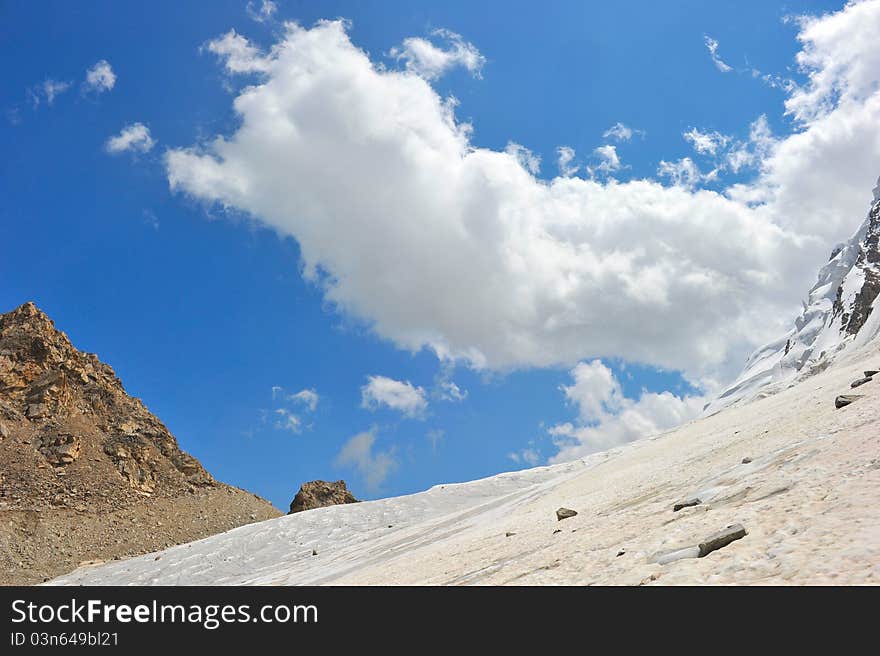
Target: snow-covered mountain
{"x": 837, "y": 316}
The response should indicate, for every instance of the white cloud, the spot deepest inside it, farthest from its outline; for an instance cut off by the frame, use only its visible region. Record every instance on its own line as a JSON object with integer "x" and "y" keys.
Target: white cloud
{"x": 527, "y": 456}
{"x": 566, "y": 157}
{"x": 841, "y": 58}
{"x": 607, "y": 419}
{"x": 307, "y": 397}
{"x": 288, "y": 421}
{"x": 526, "y": 158}
{"x": 435, "y": 436}
{"x": 397, "y": 395}
{"x": 609, "y": 161}
{"x": 754, "y": 152}
{"x": 238, "y": 55}
{"x": 50, "y": 89}
{"x": 262, "y": 11}
{"x": 620, "y": 132}
{"x": 449, "y": 391}
{"x": 712, "y": 47}
{"x": 595, "y": 390}
{"x": 685, "y": 173}
{"x": 100, "y": 77}
{"x": 445, "y": 389}
{"x": 135, "y": 137}
{"x": 373, "y": 466}
{"x": 706, "y": 143}
{"x": 429, "y": 61}
{"x": 503, "y": 270}
{"x": 150, "y": 218}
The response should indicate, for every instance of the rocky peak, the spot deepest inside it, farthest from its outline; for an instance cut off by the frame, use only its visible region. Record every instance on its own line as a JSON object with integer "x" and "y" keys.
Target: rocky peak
{"x": 66, "y": 404}
{"x": 318, "y": 494}
{"x": 838, "y": 315}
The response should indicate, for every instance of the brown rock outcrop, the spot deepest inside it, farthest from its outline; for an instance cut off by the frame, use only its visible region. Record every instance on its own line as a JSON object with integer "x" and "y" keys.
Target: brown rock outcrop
{"x": 74, "y": 446}
{"x": 318, "y": 494}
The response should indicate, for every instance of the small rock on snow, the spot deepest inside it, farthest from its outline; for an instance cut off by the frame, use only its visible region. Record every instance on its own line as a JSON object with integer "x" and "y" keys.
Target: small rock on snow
{"x": 721, "y": 539}
{"x": 565, "y": 513}
{"x": 861, "y": 381}
{"x": 694, "y": 501}
{"x": 845, "y": 399}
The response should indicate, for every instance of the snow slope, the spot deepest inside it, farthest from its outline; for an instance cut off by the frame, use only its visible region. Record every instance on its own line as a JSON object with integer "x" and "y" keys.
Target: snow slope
{"x": 808, "y": 500}
{"x": 837, "y": 313}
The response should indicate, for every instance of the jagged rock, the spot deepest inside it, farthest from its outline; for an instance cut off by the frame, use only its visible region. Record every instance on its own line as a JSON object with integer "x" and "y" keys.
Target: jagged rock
{"x": 565, "y": 513}
{"x": 37, "y": 410}
{"x": 721, "y": 539}
{"x": 319, "y": 494}
{"x": 80, "y": 450}
{"x": 746, "y": 460}
{"x": 846, "y": 399}
{"x": 870, "y": 372}
{"x": 694, "y": 501}
{"x": 834, "y": 319}
{"x": 60, "y": 449}
{"x": 860, "y": 381}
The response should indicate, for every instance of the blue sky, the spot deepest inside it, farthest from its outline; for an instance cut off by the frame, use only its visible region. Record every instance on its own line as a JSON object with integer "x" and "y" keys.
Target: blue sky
{"x": 195, "y": 295}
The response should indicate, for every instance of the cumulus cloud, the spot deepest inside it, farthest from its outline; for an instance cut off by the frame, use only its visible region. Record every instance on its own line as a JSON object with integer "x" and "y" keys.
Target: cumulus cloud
{"x": 606, "y": 418}
{"x": 841, "y": 58}
{"x": 261, "y": 11}
{"x": 609, "y": 160}
{"x": 684, "y": 173}
{"x": 712, "y": 47}
{"x": 100, "y": 77}
{"x": 496, "y": 267}
{"x": 706, "y": 143}
{"x": 135, "y": 137}
{"x": 430, "y": 61}
{"x": 397, "y": 395}
{"x": 237, "y": 54}
{"x": 373, "y": 465}
{"x": 525, "y": 157}
{"x": 752, "y": 153}
{"x": 620, "y": 132}
{"x": 566, "y": 156}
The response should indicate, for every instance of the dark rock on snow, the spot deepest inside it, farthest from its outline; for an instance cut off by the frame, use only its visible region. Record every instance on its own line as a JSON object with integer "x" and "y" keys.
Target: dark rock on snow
{"x": 687, "y": 503}
{"x": 565, "y": 513}
{"x": 721, "y": 539}
{"x": 846, "y": 399}
{"x": 319, "y": 494}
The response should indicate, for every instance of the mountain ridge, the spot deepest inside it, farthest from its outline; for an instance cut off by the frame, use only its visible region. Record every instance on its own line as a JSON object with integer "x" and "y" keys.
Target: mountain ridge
{"x": 80, "y": 458}
{"x": 837, "y": 316}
